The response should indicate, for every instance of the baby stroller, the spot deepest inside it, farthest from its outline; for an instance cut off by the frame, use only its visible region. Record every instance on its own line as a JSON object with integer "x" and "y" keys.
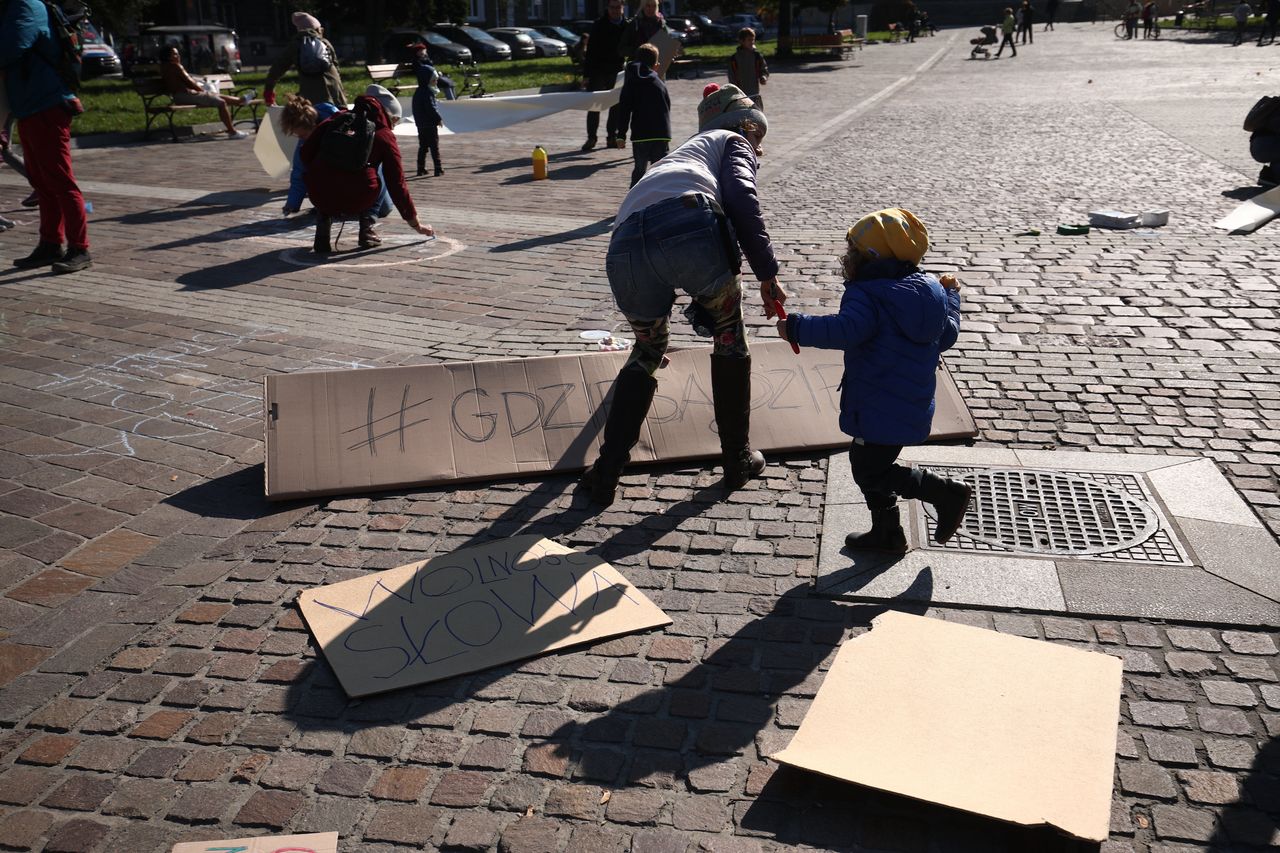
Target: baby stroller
{"x": 980, "y": 44}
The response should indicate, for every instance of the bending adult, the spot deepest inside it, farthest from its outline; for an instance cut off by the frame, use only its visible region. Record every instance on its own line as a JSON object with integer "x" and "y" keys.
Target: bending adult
{"x": 338, "y": 192}
{"x": 681, "y": 227}
{"x": 641, "y": 29}
{"x": 314, "y": 84}
{"x": 44, "y": 104}
{"x": 183, "y": 89}
{"x": 600, "y": 68}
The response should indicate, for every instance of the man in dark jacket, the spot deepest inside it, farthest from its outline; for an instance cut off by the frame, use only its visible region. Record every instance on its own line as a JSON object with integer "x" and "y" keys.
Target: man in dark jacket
{"x": 44, "y": 104}
{"x": 316, "y": 86}
{"x": 894, "y": 323}
{"x": 600, "y": 73}
{"x": 338, "y": 192}
{"x": 646, "y": 106}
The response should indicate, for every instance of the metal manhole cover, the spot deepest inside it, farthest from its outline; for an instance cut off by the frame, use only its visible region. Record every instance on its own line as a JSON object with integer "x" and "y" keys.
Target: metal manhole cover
{"x": 1050, "y": 512}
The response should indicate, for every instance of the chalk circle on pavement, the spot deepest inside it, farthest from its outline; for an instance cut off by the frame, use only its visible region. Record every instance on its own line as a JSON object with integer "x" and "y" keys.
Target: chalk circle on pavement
{"x": 397, "y": 251}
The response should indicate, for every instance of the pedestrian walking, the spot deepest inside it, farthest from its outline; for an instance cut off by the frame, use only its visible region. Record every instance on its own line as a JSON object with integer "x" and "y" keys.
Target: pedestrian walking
{"x": 747, "y": 68}
{"x": 1131, "y": 14}
{"x": 600, "y": 69}
{"x": 426, "y": 115}
{"x": 645, "y": 105}
{"x": 1241, "y": 13}
{"x": 1269, "y": 26}
{"x": 1050, "y": 12}
{"x": 317, "y": 63}
{"x": 44, "y": 105}
{"x": 894, "y": 323}
{"x": 1149, "y": 20}
{"x": 1028, "y": 35}
{"x": 680, "y": 228}
{"x": 1007, "y": 27}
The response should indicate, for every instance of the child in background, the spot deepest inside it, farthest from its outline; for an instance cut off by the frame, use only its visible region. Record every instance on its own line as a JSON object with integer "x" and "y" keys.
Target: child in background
{"x": 894, "y": 323}
{"x": 645, "y": 105}
{"x": 747, "y": 68}
{"x": 425, "y": 114}
{"x": 299, "y": 118}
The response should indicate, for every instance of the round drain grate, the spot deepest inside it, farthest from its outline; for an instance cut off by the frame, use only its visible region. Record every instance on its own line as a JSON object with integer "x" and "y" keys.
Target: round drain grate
{"x": 1048, "y": 512}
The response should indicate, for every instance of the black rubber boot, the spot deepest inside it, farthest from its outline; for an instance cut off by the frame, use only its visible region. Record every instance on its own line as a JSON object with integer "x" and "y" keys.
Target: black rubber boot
{"x": 731, "y": 396}
{"x": 886, "y": 533}
{"x": 368, "y": 234}
{"x": 950, "y": 500}
{"x": 324, "y": 231}
{"x": 422, "y": 160}
{"x": 44, "y": 255}
{"x": 633, "y": 392}
{"x": 589, "y": 145}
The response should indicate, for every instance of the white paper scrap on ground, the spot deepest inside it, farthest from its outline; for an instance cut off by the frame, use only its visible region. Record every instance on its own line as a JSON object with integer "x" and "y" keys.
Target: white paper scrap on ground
{"x": 1253, "y": 214}
{"x": 469, "y": 115}
{"x": 315, "y": 842}
{"x": 471, "y": 609}
{"x": 272, "y": 146}
{"x": 1016, "y": 729}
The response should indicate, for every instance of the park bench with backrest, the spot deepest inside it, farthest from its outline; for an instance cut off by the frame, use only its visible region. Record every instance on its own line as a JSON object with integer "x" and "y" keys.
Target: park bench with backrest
{"x": 389, "y": 76}
{"x": 157, "y": 102}
{"x": 840, "y": 44}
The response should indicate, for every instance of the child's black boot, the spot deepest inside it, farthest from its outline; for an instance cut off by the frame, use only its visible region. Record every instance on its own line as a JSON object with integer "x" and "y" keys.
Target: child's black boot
{"x": 323, "y": 244}
{"x": 950, "y": 501}
{"x": 886, "y": 533}
{"x": 633, "y": 392}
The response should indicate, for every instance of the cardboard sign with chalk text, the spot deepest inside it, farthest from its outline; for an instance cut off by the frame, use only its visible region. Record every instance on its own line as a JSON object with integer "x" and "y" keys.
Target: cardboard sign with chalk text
{"x": 333, "y": 432}
{"x": 315, "y": 842}
{"x": 471, "y": 609}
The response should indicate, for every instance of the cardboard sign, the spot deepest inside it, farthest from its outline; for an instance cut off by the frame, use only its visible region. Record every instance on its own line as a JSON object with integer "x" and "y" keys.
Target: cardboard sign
{"x": 272, "y": 146}
{"x": 472, "y": 609}
{"x": 668, "y": 49}
{"x": 330, "y": 432}
{"x": 315, "y": 842}
{"x": 1016, "y": 729}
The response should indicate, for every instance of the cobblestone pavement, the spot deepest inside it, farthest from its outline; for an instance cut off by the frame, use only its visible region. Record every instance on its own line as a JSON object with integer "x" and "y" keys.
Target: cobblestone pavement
{"x": 159, "y": 686}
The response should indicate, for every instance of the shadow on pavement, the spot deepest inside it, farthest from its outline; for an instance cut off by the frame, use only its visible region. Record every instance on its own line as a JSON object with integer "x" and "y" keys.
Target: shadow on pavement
{"x": 569, "y": 173}
{"x": 207, "y": 205}
{"x": 595, "y": 229}
{"x": 525, "y": 162}
{"x": 235, "y": 273}
{"x": 237, "y": 495}
{"x": 1244, "y": 193}
{"x": 1252, "y": 819}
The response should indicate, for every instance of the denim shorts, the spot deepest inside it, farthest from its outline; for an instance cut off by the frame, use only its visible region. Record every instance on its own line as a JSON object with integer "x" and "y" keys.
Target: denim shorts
{"x": 681, "y": 242}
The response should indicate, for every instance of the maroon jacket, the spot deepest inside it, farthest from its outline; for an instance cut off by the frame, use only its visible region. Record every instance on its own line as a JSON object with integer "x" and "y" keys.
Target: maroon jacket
{"x": 338, "y": 193}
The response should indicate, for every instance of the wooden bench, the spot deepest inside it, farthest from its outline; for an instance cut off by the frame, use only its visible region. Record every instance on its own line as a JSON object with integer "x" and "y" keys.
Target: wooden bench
{"x": 840, "y": 44}
{"x": 157, "y": 102}
{"x": 690, "y": 65}
{"x": 389, "y": 76}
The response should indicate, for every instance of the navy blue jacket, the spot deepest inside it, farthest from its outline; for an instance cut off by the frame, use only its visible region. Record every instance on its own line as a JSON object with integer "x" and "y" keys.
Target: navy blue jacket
{"x": 894, "y": 323}
{"x": 29, "y": 56}
{"x": 644, "y": 104}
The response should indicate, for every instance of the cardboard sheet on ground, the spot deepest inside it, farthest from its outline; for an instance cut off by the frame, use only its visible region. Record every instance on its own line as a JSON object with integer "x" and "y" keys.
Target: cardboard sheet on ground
{"x": 315, "y": 842}
{"x": 272, "y": 146}
{"x": 469, "y": 610}
{"x": 468, "y": 115}
{"x": 1016, "y": 729}
{"x": 1252, "y": 214}
{"x": 332, "y": 432}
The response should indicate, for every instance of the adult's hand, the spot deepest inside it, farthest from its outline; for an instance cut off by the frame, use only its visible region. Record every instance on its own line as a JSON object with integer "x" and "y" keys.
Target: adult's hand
{"x": 770, "y": 291}
{"x": 270, "y": 97}
{"x": 425, "y": 230}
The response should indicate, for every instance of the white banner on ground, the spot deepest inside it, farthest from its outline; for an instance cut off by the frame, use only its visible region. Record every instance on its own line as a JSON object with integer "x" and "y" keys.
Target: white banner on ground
{"x": 469, "y": 115}
{"x": 272, "y": 146}
{"x": 1253, "y": 214}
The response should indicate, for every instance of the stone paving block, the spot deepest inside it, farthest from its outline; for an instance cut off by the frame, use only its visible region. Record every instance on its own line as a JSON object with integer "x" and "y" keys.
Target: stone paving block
{"x": 139, "y": 798}
{"x": 90, "y": 650}
{"x": 107, "y": 554}
{"x": 1170, "y": 749}
{"x": 202, "y": 804}
{"x": 402, "y": 824}
{"x": 273, "y": 809}
{"x": 82, "y": 792}
{"x": 76, "y": 836}
{"x": 24, "y": 829}
{"x": 50, "y": 588}
{"x": 473, "y": 831}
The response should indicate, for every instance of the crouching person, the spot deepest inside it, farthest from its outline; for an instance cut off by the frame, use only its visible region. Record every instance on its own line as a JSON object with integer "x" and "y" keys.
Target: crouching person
{"x": 348, "y": 160}
{"x": 680, "y": 228}
{"x": 894, "y": 323}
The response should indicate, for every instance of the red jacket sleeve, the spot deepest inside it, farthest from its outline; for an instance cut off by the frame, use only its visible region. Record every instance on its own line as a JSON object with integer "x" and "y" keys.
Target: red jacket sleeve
{"x": 386, "y": 153}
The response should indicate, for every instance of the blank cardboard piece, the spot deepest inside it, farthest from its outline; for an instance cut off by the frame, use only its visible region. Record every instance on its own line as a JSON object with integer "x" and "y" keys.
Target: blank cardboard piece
{"x": 668, "y": 49}
{"x": 471, "y": 609}
{"x": 333, "y": 432}
{"x": 315, "y": 842}
{"x": 272, "y": 146}
{"x": 1016, "y": 729}
{"x": 1253, "y": 213}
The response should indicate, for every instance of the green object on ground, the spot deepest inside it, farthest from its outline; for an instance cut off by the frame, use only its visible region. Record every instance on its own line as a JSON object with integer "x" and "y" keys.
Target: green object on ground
{"x": 1073, "y": 230}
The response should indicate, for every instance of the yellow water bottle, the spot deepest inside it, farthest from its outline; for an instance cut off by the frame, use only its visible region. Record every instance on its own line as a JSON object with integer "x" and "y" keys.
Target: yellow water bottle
{"x": 539, "y": 163}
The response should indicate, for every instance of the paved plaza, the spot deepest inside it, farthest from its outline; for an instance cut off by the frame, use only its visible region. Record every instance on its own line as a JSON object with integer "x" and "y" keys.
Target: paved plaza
{"x": 157, "y": 683}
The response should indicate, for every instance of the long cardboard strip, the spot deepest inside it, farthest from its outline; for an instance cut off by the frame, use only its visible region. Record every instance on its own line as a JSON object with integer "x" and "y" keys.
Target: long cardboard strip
{"x": 1253, "y": 213}
{"x": 1016, "y": 729}
{"x": 469, "y": 610}
{"x": 331, "y": 432}
{"x": 314, "y": 842}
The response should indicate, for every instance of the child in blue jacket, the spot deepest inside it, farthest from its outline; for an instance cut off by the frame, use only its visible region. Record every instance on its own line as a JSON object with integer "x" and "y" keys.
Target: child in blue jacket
{"x": 893, "y": 325}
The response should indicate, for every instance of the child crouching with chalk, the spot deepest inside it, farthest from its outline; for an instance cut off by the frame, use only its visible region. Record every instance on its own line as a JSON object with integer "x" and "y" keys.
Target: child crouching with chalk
{"x": 894, "y": 323}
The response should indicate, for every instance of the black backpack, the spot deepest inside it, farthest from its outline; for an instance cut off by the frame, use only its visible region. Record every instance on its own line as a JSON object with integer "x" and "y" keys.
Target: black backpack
{"x": 348, "y": 142}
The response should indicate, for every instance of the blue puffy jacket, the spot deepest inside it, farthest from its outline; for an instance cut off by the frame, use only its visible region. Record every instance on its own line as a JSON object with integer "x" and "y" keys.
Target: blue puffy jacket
{"x": 29, "y": 56}
{"x": 893, "y": 324}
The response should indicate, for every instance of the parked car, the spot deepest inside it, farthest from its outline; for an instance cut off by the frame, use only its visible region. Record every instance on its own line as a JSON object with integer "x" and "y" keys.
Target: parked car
{"x": 582, "y": 27}
{"x": 439, "y": 49}
{"x": 713, "y": 33}
{"x": 97, "y": 58}
{"x": 204, "y": 48}
{"x": 545, "y": 45}
{"x": 484, "y": 47}
{"x": 687, "y": 28}
{"x": 522, "y": 47}
{"x": 737, "y": 22}
{"x": 564, "y": 34}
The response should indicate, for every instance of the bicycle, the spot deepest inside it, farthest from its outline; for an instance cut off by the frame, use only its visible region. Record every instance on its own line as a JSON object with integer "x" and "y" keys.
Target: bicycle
{"x": 1121, "y": 32}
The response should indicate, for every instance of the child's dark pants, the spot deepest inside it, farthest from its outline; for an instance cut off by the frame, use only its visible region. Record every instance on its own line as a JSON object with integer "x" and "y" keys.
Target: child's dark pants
{"x": 879, "y": 477}
{"x": 645, "y": 154}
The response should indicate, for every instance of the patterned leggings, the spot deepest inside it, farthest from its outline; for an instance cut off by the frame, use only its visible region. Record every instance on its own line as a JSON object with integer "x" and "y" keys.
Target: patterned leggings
{"x": 729, "y": 338}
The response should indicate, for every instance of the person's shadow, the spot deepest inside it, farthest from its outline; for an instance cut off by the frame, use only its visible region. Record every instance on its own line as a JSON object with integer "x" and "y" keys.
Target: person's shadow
{"x": 1253, "y": 819}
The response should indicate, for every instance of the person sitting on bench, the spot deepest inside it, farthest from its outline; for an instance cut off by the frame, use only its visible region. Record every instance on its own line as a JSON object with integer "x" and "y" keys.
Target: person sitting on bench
{"x": 184, "y": 90}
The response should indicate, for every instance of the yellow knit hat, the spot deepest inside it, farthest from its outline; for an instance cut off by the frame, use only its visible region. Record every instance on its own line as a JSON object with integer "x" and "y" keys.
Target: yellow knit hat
{"x": 889, "y": 233}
